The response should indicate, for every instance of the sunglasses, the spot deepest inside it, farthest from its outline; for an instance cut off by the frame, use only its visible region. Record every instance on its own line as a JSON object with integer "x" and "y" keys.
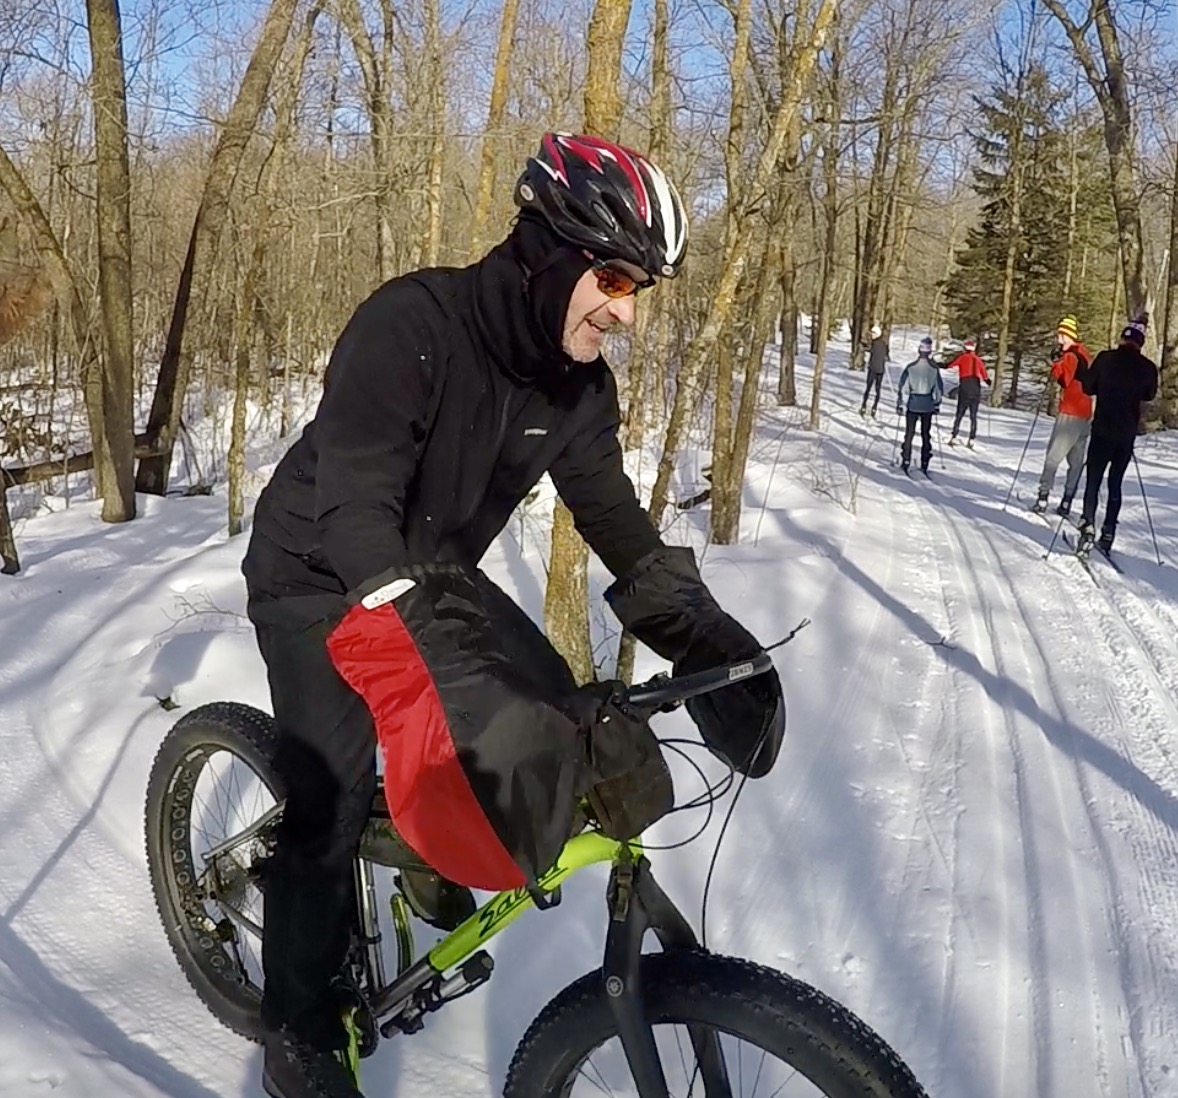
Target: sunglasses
{"x": 614, "y": 282}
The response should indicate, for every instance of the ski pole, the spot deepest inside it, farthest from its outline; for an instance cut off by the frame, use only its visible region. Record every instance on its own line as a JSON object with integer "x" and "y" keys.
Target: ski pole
{"x": 1058, "y": 529}
{"x": 896, "y": 434}
{"x": 940, "y": 443}
{"x": 1023, "y": 456}
{"x": 1149, "y": 517}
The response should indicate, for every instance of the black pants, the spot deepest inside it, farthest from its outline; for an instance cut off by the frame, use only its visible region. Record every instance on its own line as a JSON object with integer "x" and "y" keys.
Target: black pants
{"x": 1114, "y": 455}
{"x": 873, "y": 380}
{"x": 967, "y": 402}
{"x": 925, "y": 419}
{"x": 327, "y": 760}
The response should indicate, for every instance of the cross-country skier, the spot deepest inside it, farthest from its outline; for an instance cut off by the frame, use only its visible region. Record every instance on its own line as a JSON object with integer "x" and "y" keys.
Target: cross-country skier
{"x": 877, "y": 357}
{"x": 1073, "y": 423}
{"x": 971, "y": 372}
{"x": 1121, "y": 379}
{"x": 921, "y": 386}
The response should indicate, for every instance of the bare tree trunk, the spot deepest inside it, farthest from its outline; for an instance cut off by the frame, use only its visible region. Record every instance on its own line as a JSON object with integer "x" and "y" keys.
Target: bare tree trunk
{"x": 787, "y": 392}
{"x": 437, "y": 116}
{"x": 24, "y": 293}
{"x": 242, "y": 356}
{"x": 1073, "y": 202}
{"x": 1114, "y": 323}
{"x": 1112, "y": 92}
{"x": 722, "y": 486}
{"x": 727, "y": 492}
{"x": 375, "y": 72}
{"x": 874, "y": 225}
{"x": 9, "y": 558}
{"x": 603, "y": 80}
{"x": 114, "y": 448}
{"x": 240, "y": 124}
{"x": 566, "y": 601}
{"x": 830, "y": 211}
{"x": 52, "y": 257}
{"x": 830, "y": 208}
{"x": 651, "y": 320}
{"x": 937, "y": 313}
{"x": 1169, "y": 362}
{"x": 722, "y": 430}
{"x": 498, "y": 108}
{"x": 1012, "y": 247}
{"x": 899, "y": 222}
{"x": 272, "y": 174}
{"x": 702, "y": 347}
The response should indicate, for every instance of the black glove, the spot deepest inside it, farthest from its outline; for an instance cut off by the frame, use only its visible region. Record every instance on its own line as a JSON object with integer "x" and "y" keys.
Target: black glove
{"x": 666, "y": 605}
{"x": 625, "y": 777}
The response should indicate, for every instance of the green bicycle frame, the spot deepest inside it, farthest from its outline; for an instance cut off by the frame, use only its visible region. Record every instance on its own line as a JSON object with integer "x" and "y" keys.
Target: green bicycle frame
{"x": 588, "y": 848}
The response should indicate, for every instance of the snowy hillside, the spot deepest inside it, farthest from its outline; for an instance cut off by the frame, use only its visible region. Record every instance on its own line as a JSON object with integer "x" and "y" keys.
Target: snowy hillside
{"x": 971, "y": 837}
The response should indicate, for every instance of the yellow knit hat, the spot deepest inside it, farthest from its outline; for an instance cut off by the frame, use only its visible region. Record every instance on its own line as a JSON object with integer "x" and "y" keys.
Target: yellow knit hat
{"x": 1068, "y": 327}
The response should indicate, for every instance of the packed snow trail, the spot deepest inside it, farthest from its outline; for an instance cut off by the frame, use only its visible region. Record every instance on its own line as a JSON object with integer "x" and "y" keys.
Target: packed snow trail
{"x": 971, "y": 838}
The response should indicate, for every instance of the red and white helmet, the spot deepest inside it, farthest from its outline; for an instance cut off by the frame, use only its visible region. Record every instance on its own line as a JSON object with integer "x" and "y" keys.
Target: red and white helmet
{"x": 607, "y": 199}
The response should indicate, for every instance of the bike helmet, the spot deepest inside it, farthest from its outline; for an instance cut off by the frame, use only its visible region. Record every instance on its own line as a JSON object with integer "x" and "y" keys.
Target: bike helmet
{"x": 607, "y": 199}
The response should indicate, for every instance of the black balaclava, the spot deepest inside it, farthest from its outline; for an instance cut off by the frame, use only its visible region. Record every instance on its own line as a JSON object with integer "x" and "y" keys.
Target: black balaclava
{"x": 522, "y": 293}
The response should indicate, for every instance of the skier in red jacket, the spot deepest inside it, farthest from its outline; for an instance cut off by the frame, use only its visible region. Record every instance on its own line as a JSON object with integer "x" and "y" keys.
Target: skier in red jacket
{"x": 971, "y": 371}
{"x": 1073, "y": 423}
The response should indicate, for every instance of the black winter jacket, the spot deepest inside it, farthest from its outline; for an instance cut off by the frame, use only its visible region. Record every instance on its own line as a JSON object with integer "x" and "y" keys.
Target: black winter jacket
{"x": 877, "y": 357}
{"x": 1121, "y": 379}
{"x": 425, "y": 442}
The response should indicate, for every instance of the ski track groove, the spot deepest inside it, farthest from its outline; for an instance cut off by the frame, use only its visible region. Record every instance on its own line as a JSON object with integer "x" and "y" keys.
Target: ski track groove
{"x": 1047, "y": 946}
{"x": 949, "y": 735}
{"x": 1006, "y": 775}
{"x": 1152, "y": 899}
{"x": 931, "y": 692}
{"x": 1147, "y": 834}
{"x": 1151, "y": 642}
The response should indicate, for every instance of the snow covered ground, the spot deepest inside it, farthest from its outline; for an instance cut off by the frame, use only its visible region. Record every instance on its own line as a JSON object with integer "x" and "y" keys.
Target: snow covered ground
{"x": 971, "y": 837}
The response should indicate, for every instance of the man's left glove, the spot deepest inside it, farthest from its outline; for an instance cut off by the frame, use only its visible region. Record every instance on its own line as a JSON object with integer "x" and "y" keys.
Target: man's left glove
{"x": 666, "y": 605}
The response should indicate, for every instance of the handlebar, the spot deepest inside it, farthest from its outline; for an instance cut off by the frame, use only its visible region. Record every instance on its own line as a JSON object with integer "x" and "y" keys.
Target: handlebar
{"x": 664, "y": 693}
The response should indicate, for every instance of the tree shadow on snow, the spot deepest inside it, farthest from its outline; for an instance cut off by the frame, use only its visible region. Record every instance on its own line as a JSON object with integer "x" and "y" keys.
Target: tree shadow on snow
{"x": 1062, "y": 733}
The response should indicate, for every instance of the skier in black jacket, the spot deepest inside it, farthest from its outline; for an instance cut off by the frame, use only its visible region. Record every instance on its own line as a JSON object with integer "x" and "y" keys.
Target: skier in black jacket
{"x": 1121, "y": 379}
{"x": 448, "y": 395}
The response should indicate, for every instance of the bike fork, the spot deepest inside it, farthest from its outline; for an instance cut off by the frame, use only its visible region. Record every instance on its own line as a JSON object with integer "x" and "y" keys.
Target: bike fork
{"x": 636, "y": 905}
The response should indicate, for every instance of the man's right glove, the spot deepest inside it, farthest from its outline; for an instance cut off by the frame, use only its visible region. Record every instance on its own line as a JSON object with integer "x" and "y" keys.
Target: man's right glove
{"x": 624, "y": 775}
{"x": 666, "y": 605}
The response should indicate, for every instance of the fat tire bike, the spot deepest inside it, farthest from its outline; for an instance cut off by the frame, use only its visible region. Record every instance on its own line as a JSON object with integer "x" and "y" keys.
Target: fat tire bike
{"x": 652, "y": 1024}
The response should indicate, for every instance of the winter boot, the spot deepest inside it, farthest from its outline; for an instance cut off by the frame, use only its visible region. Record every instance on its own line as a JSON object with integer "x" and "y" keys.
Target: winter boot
{"x": 1040, "y": 505}
{"x": 291, "y": 1068}
{"x": 1087, "y": 537}
{"x": 970, "y": 444}
{"x": 439, "y": 902}
{"x": 952, "y": 440}
{"x": 904, "y": 466}
{"x": 1105, "y": 542}
{"x": 863, "y": 412}
{"x": 1065, "y": 507}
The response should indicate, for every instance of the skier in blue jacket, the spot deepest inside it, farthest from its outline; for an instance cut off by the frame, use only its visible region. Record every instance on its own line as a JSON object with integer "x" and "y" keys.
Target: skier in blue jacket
{"x": 921, "y": 383}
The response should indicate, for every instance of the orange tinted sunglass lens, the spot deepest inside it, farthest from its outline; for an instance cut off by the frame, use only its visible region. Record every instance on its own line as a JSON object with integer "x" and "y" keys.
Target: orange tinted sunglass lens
{"x": 615, "y": 283}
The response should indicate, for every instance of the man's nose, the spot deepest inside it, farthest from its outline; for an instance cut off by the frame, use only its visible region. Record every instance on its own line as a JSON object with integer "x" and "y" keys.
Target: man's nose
{"x": 623, "y": 309}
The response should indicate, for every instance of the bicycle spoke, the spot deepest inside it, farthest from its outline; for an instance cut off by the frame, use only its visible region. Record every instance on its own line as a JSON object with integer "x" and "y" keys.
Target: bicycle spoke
{"x": 605, "y": 1070}
{"x": 603, "y": 1086}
